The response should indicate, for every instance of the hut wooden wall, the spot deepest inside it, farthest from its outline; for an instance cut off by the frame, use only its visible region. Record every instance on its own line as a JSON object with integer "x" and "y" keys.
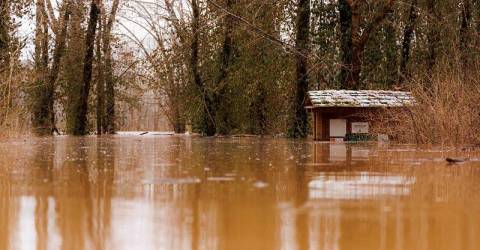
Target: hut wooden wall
{"x": 322, "y": 116}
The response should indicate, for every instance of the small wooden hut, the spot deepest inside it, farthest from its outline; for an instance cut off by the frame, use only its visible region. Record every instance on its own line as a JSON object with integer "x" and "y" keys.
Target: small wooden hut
{"x": 339, "y": 114}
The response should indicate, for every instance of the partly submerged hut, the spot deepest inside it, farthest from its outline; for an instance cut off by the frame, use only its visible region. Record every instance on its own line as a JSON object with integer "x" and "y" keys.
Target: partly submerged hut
{"x": 338, "y": 114}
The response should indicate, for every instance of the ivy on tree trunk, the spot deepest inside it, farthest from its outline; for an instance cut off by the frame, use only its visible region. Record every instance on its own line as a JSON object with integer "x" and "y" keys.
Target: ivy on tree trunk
{"x": 299, "y": 123}
{"x": 81, "y": 122}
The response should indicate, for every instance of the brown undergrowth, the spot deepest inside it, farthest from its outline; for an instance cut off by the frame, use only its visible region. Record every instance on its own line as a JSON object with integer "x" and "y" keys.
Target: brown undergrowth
{"x": 14, "y": 123}
{"x": 447, "y": 112}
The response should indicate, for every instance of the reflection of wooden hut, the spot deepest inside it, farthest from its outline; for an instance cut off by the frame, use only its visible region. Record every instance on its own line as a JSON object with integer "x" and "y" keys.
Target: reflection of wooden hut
{"x": 338, "y": 113}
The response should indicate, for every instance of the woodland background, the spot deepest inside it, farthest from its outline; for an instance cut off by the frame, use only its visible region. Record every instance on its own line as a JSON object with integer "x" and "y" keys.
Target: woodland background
{"x": 231, "y": 66}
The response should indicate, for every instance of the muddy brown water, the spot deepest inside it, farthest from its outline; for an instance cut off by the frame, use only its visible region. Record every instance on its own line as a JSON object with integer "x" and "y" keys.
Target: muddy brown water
{"x": 157, "y": 192}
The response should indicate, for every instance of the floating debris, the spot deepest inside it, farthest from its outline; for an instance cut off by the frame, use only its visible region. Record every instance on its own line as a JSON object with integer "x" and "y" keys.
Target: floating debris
{"x": 148, "y": 133}
{"x": 456, "y": 160}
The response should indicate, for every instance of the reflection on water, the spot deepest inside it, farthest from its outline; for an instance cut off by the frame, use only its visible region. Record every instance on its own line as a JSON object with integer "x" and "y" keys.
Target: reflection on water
{"x": 363, "y": 185}
{"x": 131, "y": 192}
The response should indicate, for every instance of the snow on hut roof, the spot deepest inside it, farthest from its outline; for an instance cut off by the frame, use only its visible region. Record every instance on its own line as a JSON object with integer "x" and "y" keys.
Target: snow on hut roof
{"x": 360, "y": 98}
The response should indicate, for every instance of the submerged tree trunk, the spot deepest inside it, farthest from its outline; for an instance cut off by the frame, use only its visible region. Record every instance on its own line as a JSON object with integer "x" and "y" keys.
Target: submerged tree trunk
{"x": 222, "y": 107}
{"x": 207, "y": 119}
{"x": 60, "y": 42}
{"x": 407, "y": 40}
{"x": 40, "y": 98}
{"x": 81, "y": 119}
{"x": 109, "y": 123}
{"x": 43, "y": 120}
{"x": 178, "y": 124}
{"x": 258, "y": 105}
{"x": 258, "y": 109}
{"x": 5, "y": 60}
{"x": 100, "y": 82}
{"x": 299, "y": 123}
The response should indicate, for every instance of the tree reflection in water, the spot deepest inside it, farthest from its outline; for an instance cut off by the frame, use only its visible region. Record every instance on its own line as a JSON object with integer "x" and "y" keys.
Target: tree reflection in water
{"x": 127, "y": 192}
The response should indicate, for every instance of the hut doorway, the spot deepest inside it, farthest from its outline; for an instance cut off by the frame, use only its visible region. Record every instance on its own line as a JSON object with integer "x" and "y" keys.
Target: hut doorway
{"x": 338, "y": 128}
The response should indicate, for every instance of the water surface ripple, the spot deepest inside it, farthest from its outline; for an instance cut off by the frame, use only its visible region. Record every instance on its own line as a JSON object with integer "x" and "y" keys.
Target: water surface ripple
{"x": 175, "y": 193}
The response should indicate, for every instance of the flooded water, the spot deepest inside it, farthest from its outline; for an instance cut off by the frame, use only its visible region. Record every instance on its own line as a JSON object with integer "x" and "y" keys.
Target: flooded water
{"x": 161, "y": 192}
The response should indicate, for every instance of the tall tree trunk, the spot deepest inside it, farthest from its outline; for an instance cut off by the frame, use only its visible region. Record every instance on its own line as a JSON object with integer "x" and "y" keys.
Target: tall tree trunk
{"x": 476, "y": 28}
{"x": 5, "y": 59}
{"x": 41, "y": 113}
{"x": 100, "y": 82}
{"x": 476, "y": 10}
{"x": 345, "y": 41}
{"x": 4, "y": 20}
{"x": 353, "y": 79}
{"x": 72, "y": 63}
{"x": 43, "y": 120}
{"x": 432, "y": 35}
{"x": 299, "y": 124}
{"x": 39, "y": 67}
{"x": 258, "y": 113}
{"x": 407, "y": 40}
{"x": 44, "y": 42}
{"x": 81, "y": 119}
{"x": 258, "y": 109}
{"x": 207, "y": 119}
{"x": 390, "y": 50}
{"x": 353, "y": 55}
{"x": 60, "y": 42}
{"x": 222, "y": 107}
{"x": 466, "y": 17}
{"x": 109, "y": 124}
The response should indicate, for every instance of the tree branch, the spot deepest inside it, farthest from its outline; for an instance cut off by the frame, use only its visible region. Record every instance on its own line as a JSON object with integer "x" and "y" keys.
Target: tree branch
{"x": 387, "y": 7}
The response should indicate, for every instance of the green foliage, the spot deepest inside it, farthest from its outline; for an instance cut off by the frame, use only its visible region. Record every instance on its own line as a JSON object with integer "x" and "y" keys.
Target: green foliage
{"x": 325, "y": 43}
{"x": 380, "y": 67}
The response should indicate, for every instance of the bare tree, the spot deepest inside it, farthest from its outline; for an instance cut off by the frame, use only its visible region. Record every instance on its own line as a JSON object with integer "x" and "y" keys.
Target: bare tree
{"x": 169, "y": 60}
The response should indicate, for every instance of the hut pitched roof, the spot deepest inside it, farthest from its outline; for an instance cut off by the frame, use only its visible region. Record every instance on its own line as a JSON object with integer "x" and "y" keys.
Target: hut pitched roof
{"x": 359, "y": 98}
